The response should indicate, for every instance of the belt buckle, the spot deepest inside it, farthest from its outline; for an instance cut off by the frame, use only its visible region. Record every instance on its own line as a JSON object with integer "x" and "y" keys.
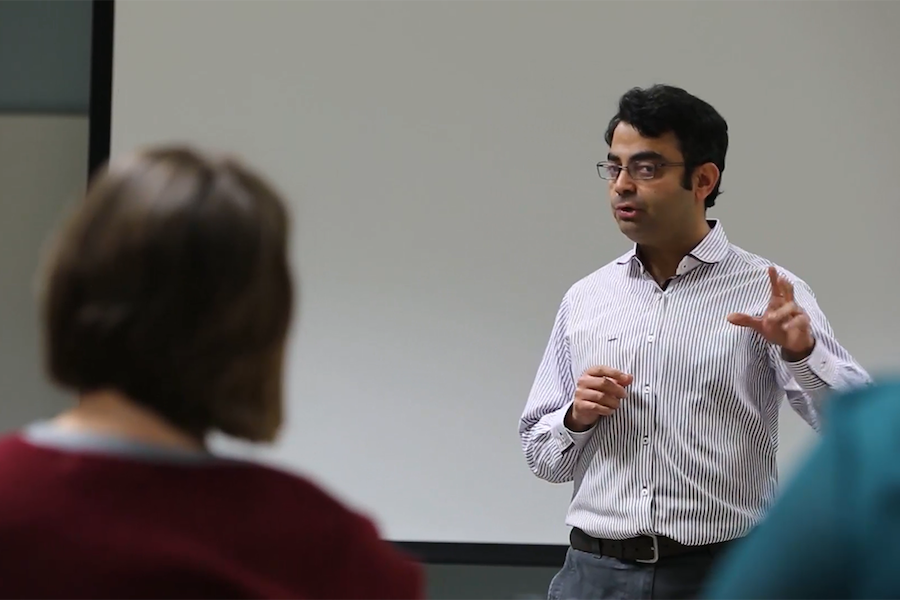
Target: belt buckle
{"x": 655, "y": 550}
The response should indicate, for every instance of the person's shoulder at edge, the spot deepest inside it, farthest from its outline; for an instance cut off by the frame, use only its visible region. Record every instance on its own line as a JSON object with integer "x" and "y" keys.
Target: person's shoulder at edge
{"x": 855, "y": 454}
{"x": 267, "y": 480}
{"x": 10, "y": 440}
{"x": 374, "y": 567}
{"x": 15, "y": 451}
{"x": 866, "y": 417}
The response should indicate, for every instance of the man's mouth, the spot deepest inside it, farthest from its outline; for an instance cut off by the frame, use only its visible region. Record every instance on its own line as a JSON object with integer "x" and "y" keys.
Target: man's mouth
{"x": 626, "y": 210}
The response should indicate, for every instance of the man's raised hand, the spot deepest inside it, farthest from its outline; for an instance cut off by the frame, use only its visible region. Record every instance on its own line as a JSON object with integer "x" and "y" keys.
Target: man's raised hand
{"x": 783, "y": 323}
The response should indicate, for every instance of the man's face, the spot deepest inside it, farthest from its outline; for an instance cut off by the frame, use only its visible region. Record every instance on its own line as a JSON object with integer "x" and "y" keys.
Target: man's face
{"x": 656, "y": 210}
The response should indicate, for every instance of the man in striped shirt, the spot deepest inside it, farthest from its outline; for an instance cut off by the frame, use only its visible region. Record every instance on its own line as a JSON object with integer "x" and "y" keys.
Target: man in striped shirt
{"x": 659, "y": 390}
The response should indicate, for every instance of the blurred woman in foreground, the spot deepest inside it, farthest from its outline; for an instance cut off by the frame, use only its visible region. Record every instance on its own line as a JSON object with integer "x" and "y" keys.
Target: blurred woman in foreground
{"x": 166, "y": 304}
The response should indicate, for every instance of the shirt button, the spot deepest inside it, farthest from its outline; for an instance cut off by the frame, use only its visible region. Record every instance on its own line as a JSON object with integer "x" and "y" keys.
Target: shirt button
{"x": 650, "y": 338}
{"x": 644, "y": 491}
{"x": 645, "y": 440}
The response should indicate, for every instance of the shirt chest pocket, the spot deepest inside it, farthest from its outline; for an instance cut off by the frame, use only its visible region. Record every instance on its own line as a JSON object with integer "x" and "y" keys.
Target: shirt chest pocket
{"x": 602, "y": 342}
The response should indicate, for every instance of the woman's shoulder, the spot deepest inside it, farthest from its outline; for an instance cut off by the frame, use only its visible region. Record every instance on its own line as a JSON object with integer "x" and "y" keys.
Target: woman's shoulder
{"x": 862, "y": 431}
{"x": 867, "y": 415}
{"x": 288, "y": 485}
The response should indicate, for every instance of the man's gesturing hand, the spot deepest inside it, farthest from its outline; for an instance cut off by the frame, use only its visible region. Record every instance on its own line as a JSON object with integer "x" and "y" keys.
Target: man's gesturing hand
{"x": 598, "y": 393}
{"x": 784, "y": 323}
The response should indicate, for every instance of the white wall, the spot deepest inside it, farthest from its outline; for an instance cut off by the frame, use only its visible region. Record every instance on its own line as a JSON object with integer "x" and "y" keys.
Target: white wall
{"x": 43, "y": 164}
{"x": 439, "y": 157}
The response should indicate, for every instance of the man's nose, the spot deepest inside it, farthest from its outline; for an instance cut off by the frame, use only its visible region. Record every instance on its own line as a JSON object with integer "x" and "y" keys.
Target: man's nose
{"x": 624, "y": 185}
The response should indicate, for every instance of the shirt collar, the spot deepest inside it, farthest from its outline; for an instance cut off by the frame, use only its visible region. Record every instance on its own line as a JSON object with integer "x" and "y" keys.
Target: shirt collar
{"x": 712, "y": 248}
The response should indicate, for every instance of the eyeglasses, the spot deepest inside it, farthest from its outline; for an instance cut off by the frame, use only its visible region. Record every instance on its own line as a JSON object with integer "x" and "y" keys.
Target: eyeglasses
{"x": 639, "y": 169}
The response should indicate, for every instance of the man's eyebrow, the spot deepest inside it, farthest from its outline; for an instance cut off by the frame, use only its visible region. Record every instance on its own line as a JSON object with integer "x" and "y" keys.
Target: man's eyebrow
{"x": 645, "y": 155}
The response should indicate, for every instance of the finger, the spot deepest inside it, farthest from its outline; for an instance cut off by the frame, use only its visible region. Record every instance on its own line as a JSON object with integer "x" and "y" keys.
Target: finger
{"x": 591, "y": 408}
{"x": 602, "y": 384}
{"x": 591, "y": 383}
{"x": 780, "y": 315}
{"x": 604, "y": 371}
{"x": 773, "y": 281}
{"x": 799, "y": 322}
{"x": 611, "y": 388}
{"x": 598, "y": 398}
{"x": 787, "y": 289}
{"x": 742, "y": 320}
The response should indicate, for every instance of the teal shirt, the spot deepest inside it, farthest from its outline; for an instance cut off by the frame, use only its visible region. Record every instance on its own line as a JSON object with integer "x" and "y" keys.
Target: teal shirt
{"x": 835, "y": 530}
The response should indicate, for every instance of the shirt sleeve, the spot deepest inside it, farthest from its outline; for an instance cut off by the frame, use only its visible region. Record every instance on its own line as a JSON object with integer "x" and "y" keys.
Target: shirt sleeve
{"x": 551, "y": 450}
{"x": 809, "y": 382}
{"x": 800, "y": 550}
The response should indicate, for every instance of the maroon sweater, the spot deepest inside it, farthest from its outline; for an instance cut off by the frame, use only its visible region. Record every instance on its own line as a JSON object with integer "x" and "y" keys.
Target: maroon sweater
{"x": 80, "y": 519}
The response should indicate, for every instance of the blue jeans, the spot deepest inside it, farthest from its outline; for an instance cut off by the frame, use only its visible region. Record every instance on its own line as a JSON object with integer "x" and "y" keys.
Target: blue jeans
{"x": 588, "y": 576}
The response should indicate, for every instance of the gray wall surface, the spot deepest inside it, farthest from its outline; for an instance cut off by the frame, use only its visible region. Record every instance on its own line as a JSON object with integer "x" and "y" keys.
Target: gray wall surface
{"x": 42, "y": 169}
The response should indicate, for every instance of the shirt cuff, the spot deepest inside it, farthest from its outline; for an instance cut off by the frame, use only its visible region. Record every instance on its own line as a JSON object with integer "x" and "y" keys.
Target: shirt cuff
{"x": 564, "y": 437}
{"x": 816, "y": 371}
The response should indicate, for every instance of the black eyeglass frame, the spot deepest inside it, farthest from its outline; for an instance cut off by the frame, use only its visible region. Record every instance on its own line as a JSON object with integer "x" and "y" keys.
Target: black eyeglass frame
{"x": 606, "y": 173}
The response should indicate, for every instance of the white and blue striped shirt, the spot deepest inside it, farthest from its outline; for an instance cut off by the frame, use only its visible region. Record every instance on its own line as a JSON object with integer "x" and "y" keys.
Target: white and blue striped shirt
{"x": 691, "y": 451}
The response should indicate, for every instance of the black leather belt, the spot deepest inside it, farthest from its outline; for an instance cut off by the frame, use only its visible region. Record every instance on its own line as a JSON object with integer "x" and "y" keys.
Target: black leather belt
{"x": 646, "y": 549}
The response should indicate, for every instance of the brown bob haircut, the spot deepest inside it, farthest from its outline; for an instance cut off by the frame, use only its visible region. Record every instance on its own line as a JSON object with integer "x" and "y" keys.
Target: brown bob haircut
{"x": 170, "y": 283}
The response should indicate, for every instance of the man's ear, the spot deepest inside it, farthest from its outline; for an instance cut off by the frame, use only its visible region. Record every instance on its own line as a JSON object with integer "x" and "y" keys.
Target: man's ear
{"x": 705, "y": 178}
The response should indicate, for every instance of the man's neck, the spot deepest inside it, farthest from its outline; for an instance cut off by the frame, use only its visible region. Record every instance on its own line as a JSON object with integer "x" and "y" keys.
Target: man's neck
{"x": 111, "y": 413}
{"x": 662, "y": 260}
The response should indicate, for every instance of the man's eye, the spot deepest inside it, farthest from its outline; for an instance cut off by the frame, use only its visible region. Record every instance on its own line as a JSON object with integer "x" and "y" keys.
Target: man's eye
{"x": 645, "y": 169}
